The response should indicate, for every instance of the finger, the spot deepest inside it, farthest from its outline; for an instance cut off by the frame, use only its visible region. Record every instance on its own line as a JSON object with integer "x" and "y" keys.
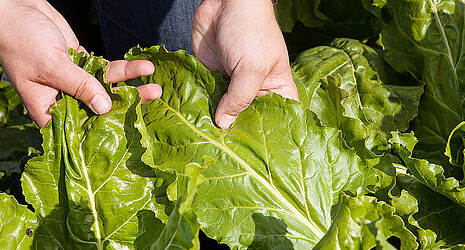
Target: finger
{"x": 75, "y": 81}
{"x": 122, "y": 70}
{"x": 148, "y": 92}
{"x": 242, "y": 89}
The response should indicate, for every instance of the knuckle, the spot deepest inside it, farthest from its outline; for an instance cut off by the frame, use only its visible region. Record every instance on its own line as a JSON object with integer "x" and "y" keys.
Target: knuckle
{"x": 79, "y": 89}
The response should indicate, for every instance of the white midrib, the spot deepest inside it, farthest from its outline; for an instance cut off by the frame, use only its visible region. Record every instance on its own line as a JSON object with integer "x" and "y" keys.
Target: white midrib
{"x": 92, "y": 204}
{"x": 446, "y": 42}
{"x": 311, "y": 225}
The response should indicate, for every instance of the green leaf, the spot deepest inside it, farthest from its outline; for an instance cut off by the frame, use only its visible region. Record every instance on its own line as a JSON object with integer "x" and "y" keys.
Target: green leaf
{"x": 426, "y": 38}
{"x": 456, "y": 145}
{"x": 348, "y": 86}
{"x": 86, "y": 188}
{"x": 19, "y": 136}
{"x": 17, "y": 224}
{"x": 429, "y": 174}
{"x": 276, "y": 166}
{"x": 427, "y": 212}
{"x": 363, "y": 223}
{"x": 362, "y": 100}
{"x": 346, "y": 18}
{"x": 11, "y": 108}
{"x": 306, "y": 11}
{"x": 181, "y": 231}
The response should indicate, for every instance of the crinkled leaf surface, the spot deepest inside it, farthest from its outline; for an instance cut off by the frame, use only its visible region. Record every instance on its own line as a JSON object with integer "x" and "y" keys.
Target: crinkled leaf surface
{"x": 272, "y": 177}
{"x": 17, "y": 224}
{"x": 348, "y": 87}
{"x": 426, "y": 38}
{"x": 427, "y": 212}
{"x": 82, "y": 188}
{"x": 371, "y": 223}
{"x": 181, "y": 231}
{"x": 362, "y": 101}
{"x": 430, "y": 174}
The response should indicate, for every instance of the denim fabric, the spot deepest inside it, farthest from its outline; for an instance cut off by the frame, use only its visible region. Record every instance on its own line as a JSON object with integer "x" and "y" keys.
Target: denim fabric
{"x": 126, "y": 23}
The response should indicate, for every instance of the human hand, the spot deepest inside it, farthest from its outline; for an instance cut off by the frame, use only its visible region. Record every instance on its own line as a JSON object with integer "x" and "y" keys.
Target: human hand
{"x": 34, "y": 44}
{"x": 242, "y": 39}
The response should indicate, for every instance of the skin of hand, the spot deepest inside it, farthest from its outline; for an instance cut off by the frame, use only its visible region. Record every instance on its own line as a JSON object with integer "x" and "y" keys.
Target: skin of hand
{"x": 242, "y": 39}
{"x": 34, "y": 44}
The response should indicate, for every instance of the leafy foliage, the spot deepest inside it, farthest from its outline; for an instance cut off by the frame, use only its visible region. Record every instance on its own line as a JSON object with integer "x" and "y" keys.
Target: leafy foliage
{"x": 371, "y": 223}
{"x": 17, "y": 224}
{"x": 182, "y": 229}
{"x": 72, "y": 194}
{"x": 426, "y": 213}
{"x": 341, "y": 169}
{"x": 425, "y": 38}
{"x": 356, "y": 98}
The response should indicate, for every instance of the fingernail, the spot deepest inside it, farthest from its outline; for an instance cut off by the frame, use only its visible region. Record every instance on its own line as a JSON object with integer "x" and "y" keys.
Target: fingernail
{"x": 226, "y": 120}
{"x": 99, "y": 104}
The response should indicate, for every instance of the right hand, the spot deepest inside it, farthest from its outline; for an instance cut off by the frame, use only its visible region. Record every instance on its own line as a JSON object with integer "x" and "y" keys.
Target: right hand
{"x": 242, "y": 39}
{"x": 34, "y": 42}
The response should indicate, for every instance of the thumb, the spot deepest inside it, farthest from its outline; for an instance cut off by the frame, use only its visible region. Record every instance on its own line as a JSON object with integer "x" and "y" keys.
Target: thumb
{"x": 242, "y": 90}
{"x": 75, "y": 81}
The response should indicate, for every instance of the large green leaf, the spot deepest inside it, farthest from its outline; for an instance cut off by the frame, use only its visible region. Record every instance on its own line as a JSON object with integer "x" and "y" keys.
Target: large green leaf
{"x": 426, "y": 38}
{"x": 85, "y": 188}
{"x": 363, "y": 100}
{"x": 348, "y": 86}
{"x": 371, "y": 223}
{"x": 272, "y": 177}
{"x": 17, "y": 224}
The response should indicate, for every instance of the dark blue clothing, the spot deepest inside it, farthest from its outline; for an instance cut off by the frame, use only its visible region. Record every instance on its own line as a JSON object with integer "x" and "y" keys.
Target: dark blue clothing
{"x": 126, "y": 23}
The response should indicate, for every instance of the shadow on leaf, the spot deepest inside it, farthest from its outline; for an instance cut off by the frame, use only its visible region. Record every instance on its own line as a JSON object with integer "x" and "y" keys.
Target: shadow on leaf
{"x": 270, "y": 233}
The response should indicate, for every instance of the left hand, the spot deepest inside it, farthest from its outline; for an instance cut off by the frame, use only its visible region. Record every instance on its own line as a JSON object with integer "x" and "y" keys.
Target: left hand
{"x": 34, "y": 46}
{"x": 242, "y": 39}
